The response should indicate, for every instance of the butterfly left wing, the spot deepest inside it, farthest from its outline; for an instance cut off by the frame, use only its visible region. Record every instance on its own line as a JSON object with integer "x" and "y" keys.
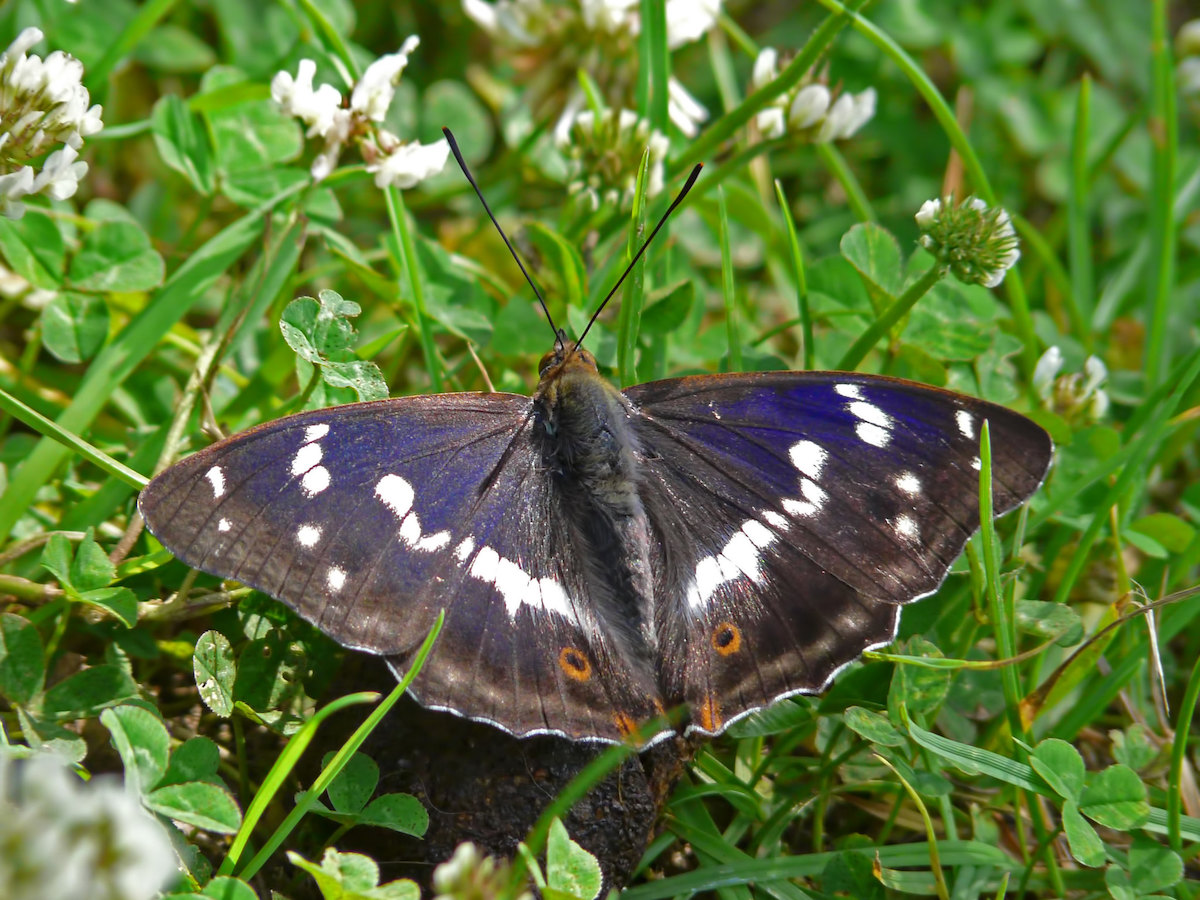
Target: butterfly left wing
{"x": 369, "y": 519}
{"x": 795, "y": 513}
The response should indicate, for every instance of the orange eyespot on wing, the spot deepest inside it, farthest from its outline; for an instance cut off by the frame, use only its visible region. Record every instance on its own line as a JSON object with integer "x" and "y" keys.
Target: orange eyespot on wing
{"x": 573, "y": 661}
{"x": 727, "y": 638}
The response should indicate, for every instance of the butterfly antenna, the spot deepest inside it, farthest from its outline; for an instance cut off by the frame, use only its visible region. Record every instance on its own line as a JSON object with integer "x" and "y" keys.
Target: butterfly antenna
{"x": 633, "y": 262}
{"x": 462, "y": 164}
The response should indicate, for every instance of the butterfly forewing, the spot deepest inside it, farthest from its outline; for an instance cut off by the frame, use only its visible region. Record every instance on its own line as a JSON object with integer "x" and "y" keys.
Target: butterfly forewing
{"x": 796, "y": 510}
{"x": 369, "y": 519}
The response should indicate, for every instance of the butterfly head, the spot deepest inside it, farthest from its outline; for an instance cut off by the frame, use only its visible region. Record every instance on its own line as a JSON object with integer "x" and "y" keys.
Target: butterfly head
{"x": 566, "y": 356}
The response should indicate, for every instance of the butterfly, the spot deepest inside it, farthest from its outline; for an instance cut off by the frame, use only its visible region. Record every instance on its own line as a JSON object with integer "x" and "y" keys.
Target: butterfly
{"x": 718, "y": 542}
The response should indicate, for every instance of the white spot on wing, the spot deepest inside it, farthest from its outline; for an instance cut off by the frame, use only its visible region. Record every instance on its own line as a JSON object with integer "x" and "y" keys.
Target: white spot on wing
{"x": 966, "y": 423}
{"x": 808, "y": 458}
{"x": 775, "y": 519}
{"x": 315, "y": 480}
{"x": 315, "y": 432}
{"x": 224, "y": 525}
{"x": 813, "y": 493}
{"x": 872, "y": 434}
{"x": 216, "y": 478}
{"x": 853, "y": 391}
{"x": 909, "y": 483}
{"x": 464, "y": 548}
{"x": 306, "y": 457}
{"x": 335, "y": 578}
{"x": 977, "y": 464}
{"x": 798, "y": 507}
{"x": 517, "y": 587}
{"x": 741, "y": 556}
{"x": 396, "y": 494}
{"x": 869, "y": 412}
{"x": 906, "y": 527}
{"x": 308, "y": 535}
{"x": 435, "y": 541}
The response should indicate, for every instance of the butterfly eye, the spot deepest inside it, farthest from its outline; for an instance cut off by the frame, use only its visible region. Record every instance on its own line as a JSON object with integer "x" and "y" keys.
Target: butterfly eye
{"x": 547, "y": 360}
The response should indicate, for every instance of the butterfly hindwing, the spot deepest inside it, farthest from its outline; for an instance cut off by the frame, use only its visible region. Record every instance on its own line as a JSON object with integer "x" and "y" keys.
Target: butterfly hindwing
{"x": 369, "y": 519}
{"x": 796, "y": 511}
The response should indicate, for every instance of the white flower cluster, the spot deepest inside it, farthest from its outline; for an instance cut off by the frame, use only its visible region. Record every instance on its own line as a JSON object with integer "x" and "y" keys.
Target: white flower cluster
{"x": 976, "y": 243}
{"x": 470, "y": 874}
{"x": 570, "y": 29}
{"x": 1075, "y": 396}
{"x": 62, "y": 837}
{"x": 809, "y": 110}
{"x": 391, "y": 160}
{"x": 1187, "y": 50}
{"x": 43, "y": 105}
{"x": 604, "y": 154}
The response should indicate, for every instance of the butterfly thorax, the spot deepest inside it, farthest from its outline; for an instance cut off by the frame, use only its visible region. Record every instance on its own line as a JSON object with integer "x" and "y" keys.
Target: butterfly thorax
{"x": 592, "y": 453}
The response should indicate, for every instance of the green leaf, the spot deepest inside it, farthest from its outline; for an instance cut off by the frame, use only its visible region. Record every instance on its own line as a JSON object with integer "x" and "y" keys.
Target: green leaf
{"x": 1166, "y": 529}
{"x": 91, "y": 568}
{"x": 56, "y": 558}
{"x": 33, "y": 247}
{"x": 197, "y": 803}
{"x": 196, "y": 759}
{"x": 1085, "y": 844}
{"x": 520, "y": 328}
{"x": 852, "y": 874}
{"x": 872, "y": 726}
{"x": 1153, "y": 867}
{"x": 668, "y": 309}
{"x": 182, "y": 141}
{"x": 398, "y": 812}
{"x": 1132, "y": 747}
{"x": 117, "y": 256}
{"x": 74, "y": 326}
{"x": 1062, "y": 767}
{"x": 171, "y": 48}
{"x": 1116, "y": 797}
{"x": 85, "y": 693}
{"x": 140, "y": 738}
{"x": 1049, "y": 621}
{"x": 215, "y": 672}
{"x": 22, "y": 665}
{"x": 571, "y": 872}
{"x": 874, "y": 252}
{"x": 319, "y": 332}
{"x": 354, "y": 784}
{"x": 922, "y": 690}
{"x": 352, "y": 876}
{"x": 121, "y": 602}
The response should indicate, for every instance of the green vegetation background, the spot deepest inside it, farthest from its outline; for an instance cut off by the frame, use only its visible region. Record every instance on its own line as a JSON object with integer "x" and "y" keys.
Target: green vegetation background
{"x": 1069, "y": 771}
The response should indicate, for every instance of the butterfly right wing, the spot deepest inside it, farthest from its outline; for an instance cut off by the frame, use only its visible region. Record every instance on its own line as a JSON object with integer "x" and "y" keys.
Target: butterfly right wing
{"x": 369, "y": 519}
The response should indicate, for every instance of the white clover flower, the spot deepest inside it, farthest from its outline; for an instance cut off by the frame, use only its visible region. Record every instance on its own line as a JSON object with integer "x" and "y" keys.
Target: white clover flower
{"x": 809, "y": 107}
{"x": 60, "y": 174}
{"x": 1075, "y": 396}
{"x": 315, "y": 108}
{"x": 604, "y": 153}
{"x": 43, "y": 109}
{"x": 690, "y": 20}
{"x": 809, "y": 110}
{"x": 62, "y": 837}
{"x": 374, "y": 92}
{"x": 607, "y": 15}
{"x": 470, "y": 873}
{"x": 1048, "y": 366}
{"x": 1187, "y": 39}
{"x": 975, "y": 243}
{"x": 391, "y": 160}
{"x": 406, "y": 164}
{"x": 685, "y": 111}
